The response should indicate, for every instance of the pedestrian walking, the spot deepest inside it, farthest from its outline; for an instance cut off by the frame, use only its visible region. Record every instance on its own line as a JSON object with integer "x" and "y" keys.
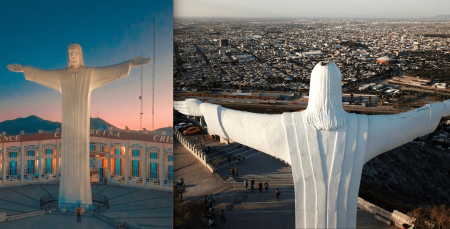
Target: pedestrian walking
{"x": 246, "y": 184}
{"x": 232, "y": 171}
{"x": 243, "y": 157}
{"x": 277, "y": 192}
{"x": 203, "y": 138}
{"x": 79, "y": 214}
{"x": 213, "y": 198}
{"x": 290, "y": 168}
{"x": 181, "y": 195}
{"x": 239, "y": 159}
{"x": 229, "y": 159}
{"x": 222, "y": 216}
{"x": 260, "y": 187}
{"x": 252, "y": 184}
{"x": 236, "y": 170}
{"x": 266, "y": 186}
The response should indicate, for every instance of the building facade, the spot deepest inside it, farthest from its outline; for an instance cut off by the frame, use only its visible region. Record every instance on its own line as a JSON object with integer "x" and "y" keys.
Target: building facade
{"x": 139, "y": 159}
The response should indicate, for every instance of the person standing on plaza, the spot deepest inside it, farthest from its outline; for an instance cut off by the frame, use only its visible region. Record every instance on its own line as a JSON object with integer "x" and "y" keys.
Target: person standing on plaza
{"x": 252, "y": 184}
{"x": 79, "y": 214}
{"x": 260, "y": 187}
{"x": 243, "y": 157}
{"x": 277, "y": 192}
{"x": 266, "y": 186}
{"x": 213, "y": 198}
{"x": 236, "y": 169}
{"x": 232, "y": 171}
{"x": 246, "y": 184}
{"x": 222, "y": 216}
{"x": 229, "y": 159}
{"x": 239, "y": 159}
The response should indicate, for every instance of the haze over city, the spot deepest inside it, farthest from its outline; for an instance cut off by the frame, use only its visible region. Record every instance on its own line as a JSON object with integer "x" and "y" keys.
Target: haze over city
{"x": 311, "y": 8}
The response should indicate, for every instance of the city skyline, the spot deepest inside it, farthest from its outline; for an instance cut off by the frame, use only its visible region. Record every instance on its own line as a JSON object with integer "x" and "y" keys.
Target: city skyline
{"x": 108, "y": 34}
{"x": 310, "y": 9}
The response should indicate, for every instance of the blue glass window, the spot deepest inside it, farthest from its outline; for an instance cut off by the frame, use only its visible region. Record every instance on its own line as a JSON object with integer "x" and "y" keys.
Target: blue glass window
{"x": 135, "y": 167}
{"x": 170, "y": 172}
{"x": 91, "y": 147}
{"x": 170, "y": 157}
{"x": 13, "y": 168}
{"x": 153, "y": 170}
{"x": 30, "y": 166}
{"x": 135, "y": 153}
{"x": 153, "y": 155}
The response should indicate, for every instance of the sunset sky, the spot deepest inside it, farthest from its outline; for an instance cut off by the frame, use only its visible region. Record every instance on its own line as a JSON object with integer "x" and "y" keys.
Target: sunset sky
{"x": 38, "y": 34}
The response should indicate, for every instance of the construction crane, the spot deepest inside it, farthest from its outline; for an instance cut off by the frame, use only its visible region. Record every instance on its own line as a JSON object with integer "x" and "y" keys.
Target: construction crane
{"x": 153, "y": 81}
{"x": 142, "y": 96}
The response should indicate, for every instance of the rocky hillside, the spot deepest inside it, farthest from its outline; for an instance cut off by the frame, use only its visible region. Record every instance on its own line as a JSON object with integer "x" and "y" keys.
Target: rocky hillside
{"x": 410, "y": 174}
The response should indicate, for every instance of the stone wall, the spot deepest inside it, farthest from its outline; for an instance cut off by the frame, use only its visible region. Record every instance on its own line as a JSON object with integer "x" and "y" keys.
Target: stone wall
{"x": 202, "y": 157}
{"x": 3, "y": 217}
{"x": 395, "y": 217}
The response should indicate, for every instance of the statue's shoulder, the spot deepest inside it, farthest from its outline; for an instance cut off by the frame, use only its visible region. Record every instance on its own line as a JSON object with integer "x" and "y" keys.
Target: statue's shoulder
{"x": 292, "y": 118}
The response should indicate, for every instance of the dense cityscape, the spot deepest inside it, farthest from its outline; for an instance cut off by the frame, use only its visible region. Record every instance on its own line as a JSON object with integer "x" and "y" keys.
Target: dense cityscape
{"x": 266, "y": 55}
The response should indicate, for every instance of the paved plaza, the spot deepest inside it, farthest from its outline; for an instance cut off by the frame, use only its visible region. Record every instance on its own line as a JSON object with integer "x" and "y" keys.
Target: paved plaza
{"x": 245, "y": 208}
{"x": 142, "y": 207}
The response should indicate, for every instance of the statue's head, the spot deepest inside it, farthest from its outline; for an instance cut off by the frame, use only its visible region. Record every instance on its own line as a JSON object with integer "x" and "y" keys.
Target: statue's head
{"x": 75, "y": 56}
{"x": 325, "y": 111}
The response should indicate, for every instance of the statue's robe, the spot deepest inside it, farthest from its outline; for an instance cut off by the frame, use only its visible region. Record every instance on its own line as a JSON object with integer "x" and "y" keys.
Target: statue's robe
{"x": 326, "y": 164}
{"x": 326, "y": 168}
{"x": 76, "y": 91}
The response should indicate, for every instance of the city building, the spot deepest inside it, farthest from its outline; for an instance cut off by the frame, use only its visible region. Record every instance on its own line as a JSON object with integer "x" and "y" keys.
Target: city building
{"x": 139, "y": 159}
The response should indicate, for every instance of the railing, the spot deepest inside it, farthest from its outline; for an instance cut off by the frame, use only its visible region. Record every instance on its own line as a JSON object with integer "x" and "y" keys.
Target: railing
{"x": 134, "y": 173}
{"x": 50, "y": 169}
{"x": 114, "y": 171}
{"x": 150, "y": 173}
{"x": 50, "y": 204}
{"x": 13, "y": 172}
{"x": 194, "y": 150}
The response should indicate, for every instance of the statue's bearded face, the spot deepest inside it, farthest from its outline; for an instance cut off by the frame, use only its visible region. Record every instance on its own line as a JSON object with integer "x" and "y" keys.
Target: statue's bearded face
{"x": 74, "y": 57}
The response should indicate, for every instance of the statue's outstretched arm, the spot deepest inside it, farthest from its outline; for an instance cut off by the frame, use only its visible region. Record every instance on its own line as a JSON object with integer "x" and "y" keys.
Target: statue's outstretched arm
{"x": 104, "y": 75}
{"x": 49, "y": 78}
{"x": 387, "y": 132}
{"x": 259, "y": 131}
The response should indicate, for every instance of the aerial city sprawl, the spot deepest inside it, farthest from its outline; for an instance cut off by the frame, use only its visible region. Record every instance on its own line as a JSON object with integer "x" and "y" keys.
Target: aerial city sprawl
{"x": 391, "y": 77}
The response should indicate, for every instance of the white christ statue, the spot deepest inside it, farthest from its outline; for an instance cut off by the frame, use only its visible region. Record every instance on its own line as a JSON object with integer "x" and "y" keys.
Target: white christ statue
{"x": 76, "y": 83}
{"x": 326, "y": 146}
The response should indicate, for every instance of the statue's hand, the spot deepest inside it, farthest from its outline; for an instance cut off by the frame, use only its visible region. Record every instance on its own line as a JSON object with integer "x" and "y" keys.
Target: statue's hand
{"x": 138, "y": 61}
{"x": 15, "y": 67}
{"x": 188, "y": 107}
{"x": 446, "y": 108}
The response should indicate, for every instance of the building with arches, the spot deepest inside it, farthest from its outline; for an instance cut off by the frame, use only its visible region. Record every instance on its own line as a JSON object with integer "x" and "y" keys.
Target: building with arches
{"x": 141, "y": 159}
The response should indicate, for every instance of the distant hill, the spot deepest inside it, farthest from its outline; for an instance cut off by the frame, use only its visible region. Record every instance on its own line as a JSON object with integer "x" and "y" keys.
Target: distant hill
{"x": 32, "y": 124}
{"x": 442, "y": 16}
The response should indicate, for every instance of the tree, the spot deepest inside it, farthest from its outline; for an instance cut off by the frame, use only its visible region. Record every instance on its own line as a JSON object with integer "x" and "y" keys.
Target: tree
{"x": 183, "y": 213}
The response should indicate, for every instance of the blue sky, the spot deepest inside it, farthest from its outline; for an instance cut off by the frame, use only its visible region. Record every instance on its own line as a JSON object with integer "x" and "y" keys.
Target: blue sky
{"x": 311, "y": 8}
{"x": 37, "y": 33}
